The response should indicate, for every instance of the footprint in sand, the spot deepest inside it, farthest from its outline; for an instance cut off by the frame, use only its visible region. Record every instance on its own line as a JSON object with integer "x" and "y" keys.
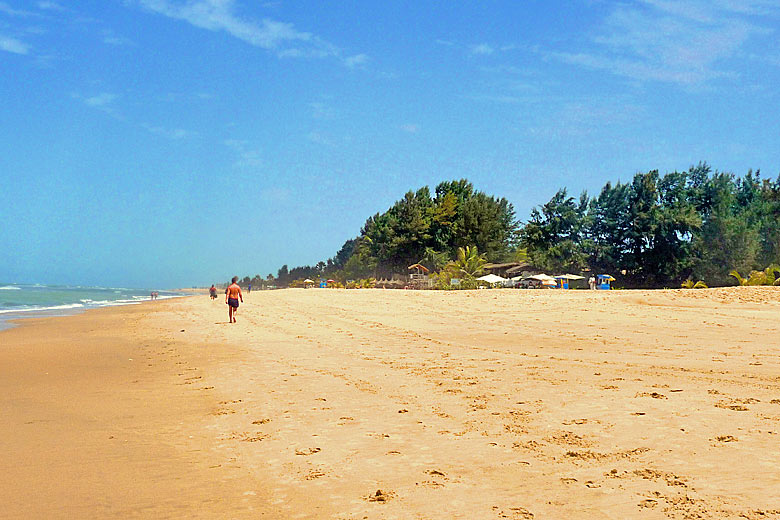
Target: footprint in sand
{"x": 380, "y": 496}
{"x": 648, "y": 502}
{"x": 654, "y": 395}
{"x": 308, "y": 451}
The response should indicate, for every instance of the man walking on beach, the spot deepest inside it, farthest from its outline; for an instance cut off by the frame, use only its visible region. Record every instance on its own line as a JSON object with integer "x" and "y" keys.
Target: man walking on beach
{"x": 232, "y": 295}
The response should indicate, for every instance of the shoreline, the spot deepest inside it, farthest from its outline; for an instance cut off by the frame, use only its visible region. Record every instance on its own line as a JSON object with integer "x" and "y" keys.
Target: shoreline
{"x": 13, "y": 318}
{"x": 468, "y": 404}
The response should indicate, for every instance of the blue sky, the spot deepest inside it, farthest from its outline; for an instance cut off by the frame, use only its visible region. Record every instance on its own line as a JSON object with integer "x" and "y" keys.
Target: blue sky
{"x": 163, "y": 143}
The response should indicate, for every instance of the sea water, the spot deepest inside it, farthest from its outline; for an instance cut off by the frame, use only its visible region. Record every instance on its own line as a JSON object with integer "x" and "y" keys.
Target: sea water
{"x": 24, "y": 300}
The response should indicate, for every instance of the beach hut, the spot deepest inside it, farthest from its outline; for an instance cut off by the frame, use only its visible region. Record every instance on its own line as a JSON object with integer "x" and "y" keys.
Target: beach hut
{"x": 418, "y": 276}
{"x": 564, "y": 279}
{"x": 503, "y": 269}
{"x": 604, "y": 281}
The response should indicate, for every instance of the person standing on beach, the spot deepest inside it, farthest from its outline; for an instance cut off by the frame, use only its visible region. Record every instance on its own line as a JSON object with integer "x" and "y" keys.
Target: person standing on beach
{"x": 213, "y": 292}
{"x": 232, "y": 295}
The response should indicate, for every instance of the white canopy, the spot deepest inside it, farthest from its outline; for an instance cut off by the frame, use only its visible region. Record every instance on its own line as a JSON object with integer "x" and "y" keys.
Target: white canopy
{"x": 542, "y": 277}
{"x": 570, "y": 276}
{"x": 308, "y": 280}
{"x": 491, "y": 278}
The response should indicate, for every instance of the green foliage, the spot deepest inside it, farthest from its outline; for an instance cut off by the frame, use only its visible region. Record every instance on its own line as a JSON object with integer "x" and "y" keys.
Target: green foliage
{"x": 652, "y": 231}
{"x": 738, "y": 277}
{"x": 468, "y": 265}
{"x": 766, "y": 277}
{"x": 553, "y": 237}
{"x": 659, "y": 230}
{"x": 429, "y": 230}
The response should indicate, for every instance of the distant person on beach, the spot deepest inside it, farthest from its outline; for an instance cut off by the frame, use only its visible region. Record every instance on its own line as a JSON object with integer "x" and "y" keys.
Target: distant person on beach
{"x": 232, "y": 295}
{"x": 249, "y": 288}
{"x": 213, "y": 292}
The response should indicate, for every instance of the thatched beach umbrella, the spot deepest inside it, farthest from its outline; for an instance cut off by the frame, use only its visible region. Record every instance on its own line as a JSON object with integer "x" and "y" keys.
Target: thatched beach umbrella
{"x": 419, "y": 268}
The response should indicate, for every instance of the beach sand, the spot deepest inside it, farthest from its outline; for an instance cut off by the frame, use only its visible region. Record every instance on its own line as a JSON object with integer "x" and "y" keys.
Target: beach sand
{"x": 372, "y": 404}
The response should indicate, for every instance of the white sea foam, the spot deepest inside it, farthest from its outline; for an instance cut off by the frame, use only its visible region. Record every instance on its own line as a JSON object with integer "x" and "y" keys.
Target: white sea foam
{"x": 10, "y": 288}
{"x": 35, "y": 308}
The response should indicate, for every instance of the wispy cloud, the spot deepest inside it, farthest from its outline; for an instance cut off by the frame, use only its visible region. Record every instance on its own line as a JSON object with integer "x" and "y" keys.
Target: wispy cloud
{"x": 322, "y": 111}
{"x": 358, "y": 60}
{"x": 8, "y": 10}
{"x": 687, "y": 42}
{"x": 279, "y": 37}
{"x": 482, "y": 49}
{"x": 104, "y": 101}
{"x": 50, "y": 6}
{"x": 110, "y": 38}
{"x": 107, "y": 102}
{"x": 410, "y": 128}
{"x": 247, "y": 156}
{"x": 100, "y": 100}
{"x": 13, "y": 45}
{"x": 170, "y": 133}
{"x": 587, "y": 117}
{"x": 319, "y": 138}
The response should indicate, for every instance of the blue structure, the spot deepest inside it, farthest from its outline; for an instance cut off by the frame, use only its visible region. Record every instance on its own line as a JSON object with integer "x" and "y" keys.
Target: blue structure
{"x": 603, "y": 282}
{"x": 563, "y": 283}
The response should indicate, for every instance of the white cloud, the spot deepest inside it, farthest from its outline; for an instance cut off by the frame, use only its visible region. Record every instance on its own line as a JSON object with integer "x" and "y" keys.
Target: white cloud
{"x": 687, "y": 42}
{"x": 318, "y": 138}
{"x": 101, "y": 100}
{"x": 13, "y": 45}
{"x": 51, "y": 6}
{"x": 10, "y": 11}
{"x": 482, "y": 49}
{"x": 410, "y": 128}
{"x": 110, "y": 38}
{"x": 170, "y": 133}
{"x": 356, "y": 61}
{"x": 247, "y": 157}
{"x": 322, "y": 111}
{"x": 219, "y": 15}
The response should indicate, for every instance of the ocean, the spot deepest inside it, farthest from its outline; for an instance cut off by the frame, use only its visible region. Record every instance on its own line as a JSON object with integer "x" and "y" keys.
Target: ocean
{"x": 26, "y": 301}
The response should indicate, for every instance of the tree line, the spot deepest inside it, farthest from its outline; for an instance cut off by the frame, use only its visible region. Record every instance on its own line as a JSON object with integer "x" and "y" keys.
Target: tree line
{"x": 661, "y": 230}
{"x": 654, "y": 231}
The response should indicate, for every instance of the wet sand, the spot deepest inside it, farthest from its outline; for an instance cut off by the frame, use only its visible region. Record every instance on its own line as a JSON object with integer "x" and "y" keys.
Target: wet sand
{"x": 398, "y": 404}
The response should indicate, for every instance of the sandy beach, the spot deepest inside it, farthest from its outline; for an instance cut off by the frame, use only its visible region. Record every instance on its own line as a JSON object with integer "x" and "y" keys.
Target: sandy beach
{"x": 372, "y": 404}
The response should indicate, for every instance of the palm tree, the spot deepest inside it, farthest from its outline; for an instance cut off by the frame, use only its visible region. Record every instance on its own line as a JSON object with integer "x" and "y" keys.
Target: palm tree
{"x": 769, "y": 272}
{"x": 469, "y": 263}
{"x": 740, "y": 280}
{"x": 765, "y": 277}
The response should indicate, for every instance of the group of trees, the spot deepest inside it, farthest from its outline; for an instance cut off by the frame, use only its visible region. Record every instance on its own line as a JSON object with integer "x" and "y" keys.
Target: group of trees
{"x": 420, "y": 228}
{"x": 654, "y": 231}
{"x": 661, "y": 230}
